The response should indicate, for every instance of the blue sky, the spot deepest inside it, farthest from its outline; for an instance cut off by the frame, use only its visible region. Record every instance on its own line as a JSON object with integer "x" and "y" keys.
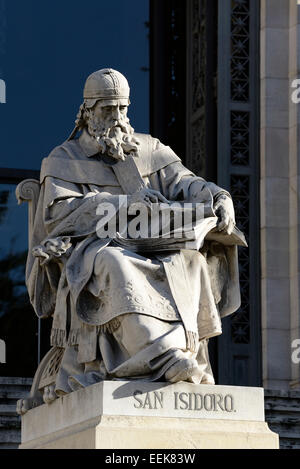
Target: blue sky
{"x": 49, "y": 49}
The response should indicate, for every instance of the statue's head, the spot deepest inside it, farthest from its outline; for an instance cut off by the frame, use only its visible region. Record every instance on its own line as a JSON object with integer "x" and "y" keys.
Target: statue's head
{"x": 104, "y": 113}
{"x": 106, "y": 84}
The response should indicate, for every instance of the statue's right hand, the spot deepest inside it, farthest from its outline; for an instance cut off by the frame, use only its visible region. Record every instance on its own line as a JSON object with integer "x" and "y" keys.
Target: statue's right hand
{"x": 147, "y": 197}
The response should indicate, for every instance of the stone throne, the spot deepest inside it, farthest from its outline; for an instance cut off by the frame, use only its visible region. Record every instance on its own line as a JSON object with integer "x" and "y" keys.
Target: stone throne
{"x": 44, "y": 378}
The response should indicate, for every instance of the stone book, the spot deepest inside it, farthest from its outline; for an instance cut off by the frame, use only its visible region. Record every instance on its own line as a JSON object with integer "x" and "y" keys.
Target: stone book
{"x": 186, "y": 237}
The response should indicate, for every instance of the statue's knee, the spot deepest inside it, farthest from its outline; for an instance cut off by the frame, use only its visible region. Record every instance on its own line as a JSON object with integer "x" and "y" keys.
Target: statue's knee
{"x": 106, "y": 259}
{"x": 139, "y": 332}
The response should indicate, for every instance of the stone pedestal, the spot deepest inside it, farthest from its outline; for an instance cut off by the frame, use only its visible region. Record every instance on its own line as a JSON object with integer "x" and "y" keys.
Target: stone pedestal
{"x": 141, "y": 415}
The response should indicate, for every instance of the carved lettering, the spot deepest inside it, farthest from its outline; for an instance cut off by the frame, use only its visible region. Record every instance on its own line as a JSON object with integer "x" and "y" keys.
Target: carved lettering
{"x": 176, "y": 400}
{"x": 228, "y": 401}
{"x": 185, "y": 401}
{"x": 198, "y": 401}
{"x": 147, "y": 402}
{"x": 209, "y": 402}
{"x": 151, "y": 400}
{"x": 191, "y": 400}
{"x": 135, "y": 394}
{"x": 219, "y": 402}
{"x": 158, "y": 399}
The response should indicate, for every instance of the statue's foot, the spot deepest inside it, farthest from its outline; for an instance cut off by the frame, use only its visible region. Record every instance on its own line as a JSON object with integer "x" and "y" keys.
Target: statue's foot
{"x": 184, "y": 370}
{"x": 24, "y": 405}
{"x": 207, "y": 379}
{"x": 49, "y": 394}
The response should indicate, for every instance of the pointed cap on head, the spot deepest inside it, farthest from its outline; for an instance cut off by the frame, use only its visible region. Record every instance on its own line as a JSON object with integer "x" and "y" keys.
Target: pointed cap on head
{"x": 106, "y": 84}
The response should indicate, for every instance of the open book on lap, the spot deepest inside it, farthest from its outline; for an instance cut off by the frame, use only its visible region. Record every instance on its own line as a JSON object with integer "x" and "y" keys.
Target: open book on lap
{"x": 187, "y": 236}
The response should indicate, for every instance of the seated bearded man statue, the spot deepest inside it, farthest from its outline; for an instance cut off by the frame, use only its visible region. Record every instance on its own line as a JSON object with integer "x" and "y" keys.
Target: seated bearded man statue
{"x": 121, "y": 312}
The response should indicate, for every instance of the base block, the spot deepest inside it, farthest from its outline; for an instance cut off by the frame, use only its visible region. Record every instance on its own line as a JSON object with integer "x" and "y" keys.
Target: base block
{"x": 142, "y": 415}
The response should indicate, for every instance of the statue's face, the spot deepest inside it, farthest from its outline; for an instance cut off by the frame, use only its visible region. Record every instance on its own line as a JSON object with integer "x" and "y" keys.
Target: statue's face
{"x": 108, "y": 114}
{"x": 111, "y": 110}
{"x": 109, "y": 125}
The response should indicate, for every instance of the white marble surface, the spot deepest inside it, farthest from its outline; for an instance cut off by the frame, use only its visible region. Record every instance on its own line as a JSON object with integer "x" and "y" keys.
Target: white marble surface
{"x": 142, "y": 399}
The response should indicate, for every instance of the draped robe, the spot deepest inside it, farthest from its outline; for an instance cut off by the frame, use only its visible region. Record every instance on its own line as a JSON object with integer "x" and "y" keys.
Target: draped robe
{"x": 98, "y": 284}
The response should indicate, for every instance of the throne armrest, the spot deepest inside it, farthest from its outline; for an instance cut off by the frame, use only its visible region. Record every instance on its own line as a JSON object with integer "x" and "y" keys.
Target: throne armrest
{"x": 29, "y": 191}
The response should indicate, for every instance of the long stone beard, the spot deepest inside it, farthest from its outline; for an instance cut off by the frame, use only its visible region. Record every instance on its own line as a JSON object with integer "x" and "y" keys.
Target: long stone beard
{"x": 115, "y": 138}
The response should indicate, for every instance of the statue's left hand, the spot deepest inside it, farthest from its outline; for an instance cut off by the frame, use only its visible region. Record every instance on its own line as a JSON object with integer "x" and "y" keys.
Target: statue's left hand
{"x": 53, "y": 249}
{"x": 224, "y": 210}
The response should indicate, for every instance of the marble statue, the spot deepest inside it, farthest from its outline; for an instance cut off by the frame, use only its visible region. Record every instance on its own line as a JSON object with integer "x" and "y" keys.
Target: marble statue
{"x": 121, "y": 312}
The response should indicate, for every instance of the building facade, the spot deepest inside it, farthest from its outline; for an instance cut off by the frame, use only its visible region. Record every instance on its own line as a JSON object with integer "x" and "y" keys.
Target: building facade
{"x": 231, "y": 86}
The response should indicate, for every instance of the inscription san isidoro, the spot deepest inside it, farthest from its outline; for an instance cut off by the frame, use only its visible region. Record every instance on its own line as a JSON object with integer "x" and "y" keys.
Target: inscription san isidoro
{"x": 183, "y": 400}
{"x": 194, "y": 401}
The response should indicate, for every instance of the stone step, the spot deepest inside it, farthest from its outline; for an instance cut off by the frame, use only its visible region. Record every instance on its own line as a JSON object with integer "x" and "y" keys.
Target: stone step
{"x": 11, "y": 390}
{"x": 280, "y": 393}
{"x": 10, "y": 436}
{"x": 10, "y": 421}
{"x": 286, "y": 443}
{"x": 283, "y": 403}
{"x": 282, "y": 410}
{"x": 286, "y": 430}
{"x": 291, "y": 417}
{"x": 13, "y": 393}
{"x": 8, "y": 397}
{"x": 15, "y": 381}
{"x": 9, "y": 409}
{"x": 9, "y": 446}
{"x": 15, "y": 384}
{"x": 291, "y": 436}
{"x": 283, "y": 407}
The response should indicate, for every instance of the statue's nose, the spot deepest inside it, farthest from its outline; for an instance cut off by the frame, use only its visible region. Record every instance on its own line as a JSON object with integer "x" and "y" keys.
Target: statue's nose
{"x": 116, "y": 113}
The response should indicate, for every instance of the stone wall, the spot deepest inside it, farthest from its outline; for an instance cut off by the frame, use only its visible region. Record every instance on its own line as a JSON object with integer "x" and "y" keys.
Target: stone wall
{"x": 279, "y": 200}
